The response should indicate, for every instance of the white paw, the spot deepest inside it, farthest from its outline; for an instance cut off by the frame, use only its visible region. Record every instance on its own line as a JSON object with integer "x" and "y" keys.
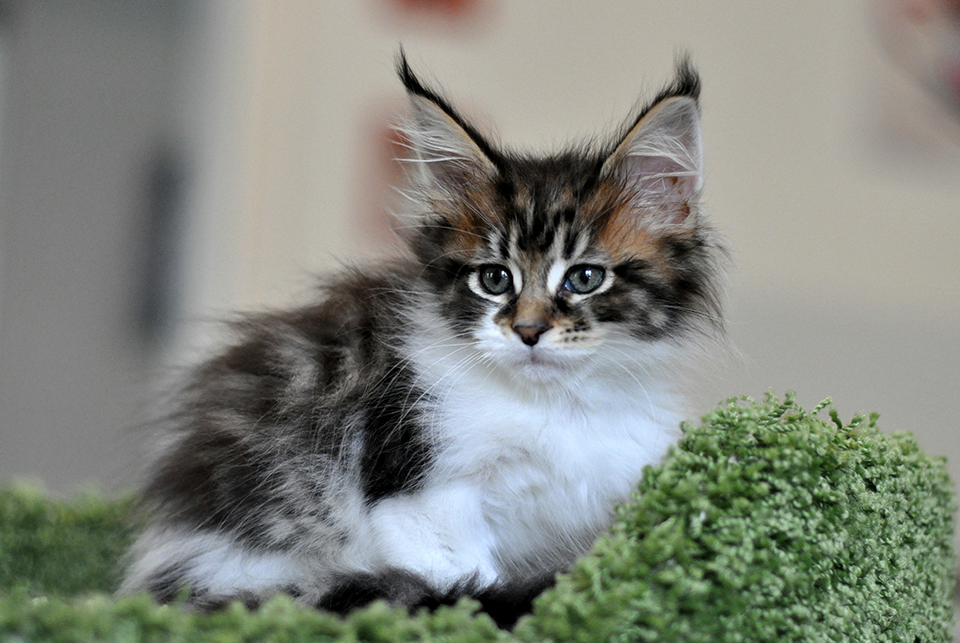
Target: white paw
{"x": 440, "y": 535}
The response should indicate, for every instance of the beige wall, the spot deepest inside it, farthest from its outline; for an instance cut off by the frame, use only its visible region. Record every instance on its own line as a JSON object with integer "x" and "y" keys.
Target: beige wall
{"x": 835, "y": 179}
{"x": 810, "y": 173}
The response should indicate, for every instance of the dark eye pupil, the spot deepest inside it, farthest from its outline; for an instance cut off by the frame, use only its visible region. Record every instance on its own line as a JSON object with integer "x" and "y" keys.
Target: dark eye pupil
{"x": 495, "y": 279}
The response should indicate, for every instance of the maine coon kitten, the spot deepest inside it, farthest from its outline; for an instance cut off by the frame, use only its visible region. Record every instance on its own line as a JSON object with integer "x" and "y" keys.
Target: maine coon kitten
{"x": 465, "y": 420}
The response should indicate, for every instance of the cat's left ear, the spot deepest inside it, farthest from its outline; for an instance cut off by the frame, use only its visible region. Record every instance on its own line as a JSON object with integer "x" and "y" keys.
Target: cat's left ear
{"x": 660, "y": 161}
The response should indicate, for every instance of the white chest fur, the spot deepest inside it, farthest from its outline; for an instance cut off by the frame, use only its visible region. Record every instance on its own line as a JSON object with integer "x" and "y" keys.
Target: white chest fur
{"x": 549, "y": 474}
{"x": 521, "y": 484}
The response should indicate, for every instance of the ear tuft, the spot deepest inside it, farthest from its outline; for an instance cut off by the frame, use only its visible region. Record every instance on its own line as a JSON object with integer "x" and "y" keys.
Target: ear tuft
{"x": 448, "y": 150}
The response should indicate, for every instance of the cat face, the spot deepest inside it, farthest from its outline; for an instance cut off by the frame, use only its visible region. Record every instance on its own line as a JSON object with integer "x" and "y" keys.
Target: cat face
{"x": 548, "y": 262}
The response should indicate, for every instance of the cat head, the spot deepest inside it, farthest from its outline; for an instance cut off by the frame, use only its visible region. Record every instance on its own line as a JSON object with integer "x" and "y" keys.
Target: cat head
{"x": 547, "y": 261}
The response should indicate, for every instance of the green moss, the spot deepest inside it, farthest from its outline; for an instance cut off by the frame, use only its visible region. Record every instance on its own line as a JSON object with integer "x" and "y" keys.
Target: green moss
{"x": 61, "y": 547}
{"x": 766, "y": 523}
{"x": 770, "y": 524}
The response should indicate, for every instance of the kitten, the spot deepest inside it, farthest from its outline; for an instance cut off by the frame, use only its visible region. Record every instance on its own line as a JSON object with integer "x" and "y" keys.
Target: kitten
{"x": 465, "y": 420}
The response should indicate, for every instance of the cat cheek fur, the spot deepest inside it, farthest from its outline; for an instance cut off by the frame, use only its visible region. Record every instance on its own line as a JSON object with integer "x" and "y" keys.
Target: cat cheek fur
{"x": 411, "y": 436}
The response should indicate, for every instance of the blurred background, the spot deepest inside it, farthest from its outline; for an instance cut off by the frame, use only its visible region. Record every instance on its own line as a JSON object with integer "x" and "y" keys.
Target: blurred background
{"x": 166, "y": 162}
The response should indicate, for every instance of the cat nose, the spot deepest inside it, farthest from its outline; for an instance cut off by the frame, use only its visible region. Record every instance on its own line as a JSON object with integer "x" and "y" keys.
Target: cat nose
{"x": 530, "y": 332}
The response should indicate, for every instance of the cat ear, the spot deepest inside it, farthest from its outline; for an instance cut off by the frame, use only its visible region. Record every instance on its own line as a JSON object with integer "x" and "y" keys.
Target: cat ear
{"x": 449, "y": 151}
{"x": 660, "y": 160}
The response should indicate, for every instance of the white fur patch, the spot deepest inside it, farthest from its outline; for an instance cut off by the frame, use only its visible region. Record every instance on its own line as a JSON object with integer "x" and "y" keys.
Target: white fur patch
{"x": 211, "y": 562}
{"x": 556, "y": 275}
{"x": 440, "y": 532}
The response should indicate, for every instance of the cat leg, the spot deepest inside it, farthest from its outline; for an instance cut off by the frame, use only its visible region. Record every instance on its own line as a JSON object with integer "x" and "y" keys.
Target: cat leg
{"x": 214, "y": 567}
{"x": 438, "y": 533}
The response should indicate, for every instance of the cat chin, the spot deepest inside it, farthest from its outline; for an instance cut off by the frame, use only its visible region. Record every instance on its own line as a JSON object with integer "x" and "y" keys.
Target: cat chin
{"x": 541, "y": 366}
{"x": 539, "y": 372}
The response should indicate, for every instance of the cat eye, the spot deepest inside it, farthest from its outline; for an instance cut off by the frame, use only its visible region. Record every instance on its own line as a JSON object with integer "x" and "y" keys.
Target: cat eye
{"x": 584, "y": 279}
{"x": 495, "y": 279}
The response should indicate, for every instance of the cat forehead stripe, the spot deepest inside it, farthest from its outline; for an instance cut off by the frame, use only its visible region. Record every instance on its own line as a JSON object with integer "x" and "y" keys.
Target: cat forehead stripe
{"x": 556, "y": 275}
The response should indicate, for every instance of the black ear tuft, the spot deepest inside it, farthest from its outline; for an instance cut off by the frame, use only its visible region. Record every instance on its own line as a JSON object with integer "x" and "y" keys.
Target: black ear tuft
{"x": 686, "y": 82}
{"x": 410, "y": 81}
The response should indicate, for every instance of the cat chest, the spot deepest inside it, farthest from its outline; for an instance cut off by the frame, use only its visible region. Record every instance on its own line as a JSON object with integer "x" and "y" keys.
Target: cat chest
{"x": 548, "y": 477}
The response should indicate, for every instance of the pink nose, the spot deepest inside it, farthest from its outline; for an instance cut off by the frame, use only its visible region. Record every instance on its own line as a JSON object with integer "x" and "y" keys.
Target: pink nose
{"x": 530, "y": 333}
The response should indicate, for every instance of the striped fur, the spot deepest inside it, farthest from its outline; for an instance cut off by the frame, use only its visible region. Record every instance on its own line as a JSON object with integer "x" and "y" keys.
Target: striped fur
{"x": 465, "y": 420}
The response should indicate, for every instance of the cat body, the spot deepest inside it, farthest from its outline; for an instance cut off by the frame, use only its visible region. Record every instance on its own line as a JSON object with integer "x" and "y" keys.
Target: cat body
{"x": 462, "y": 421}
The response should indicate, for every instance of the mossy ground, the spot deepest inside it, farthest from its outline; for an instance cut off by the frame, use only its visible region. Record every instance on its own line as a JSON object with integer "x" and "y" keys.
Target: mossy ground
{"x": 766, "y": 523}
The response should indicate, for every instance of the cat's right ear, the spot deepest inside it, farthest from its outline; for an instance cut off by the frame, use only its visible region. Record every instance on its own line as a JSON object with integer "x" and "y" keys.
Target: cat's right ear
{"x": 449, "y": 151}
{"x": 660, "y": 159}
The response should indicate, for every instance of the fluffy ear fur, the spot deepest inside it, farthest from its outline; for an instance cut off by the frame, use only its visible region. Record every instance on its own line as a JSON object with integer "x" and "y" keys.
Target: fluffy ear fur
{"x": 660, "y": 159}
{"x": 449, "y": 151}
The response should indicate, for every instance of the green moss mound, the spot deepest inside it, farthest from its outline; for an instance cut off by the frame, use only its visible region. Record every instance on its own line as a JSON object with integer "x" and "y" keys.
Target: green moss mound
{"x": 61, "y": 548}
{"x": 769, "y": 524}
{"x": 765, "y": 523}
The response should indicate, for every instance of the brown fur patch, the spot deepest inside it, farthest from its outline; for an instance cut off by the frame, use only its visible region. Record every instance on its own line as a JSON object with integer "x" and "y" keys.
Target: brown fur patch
{"x": 623, "y": 235}
{"x": 468, "y": 224}
{"x": 624, "y": 238}
{"x": 620, "y": 233}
